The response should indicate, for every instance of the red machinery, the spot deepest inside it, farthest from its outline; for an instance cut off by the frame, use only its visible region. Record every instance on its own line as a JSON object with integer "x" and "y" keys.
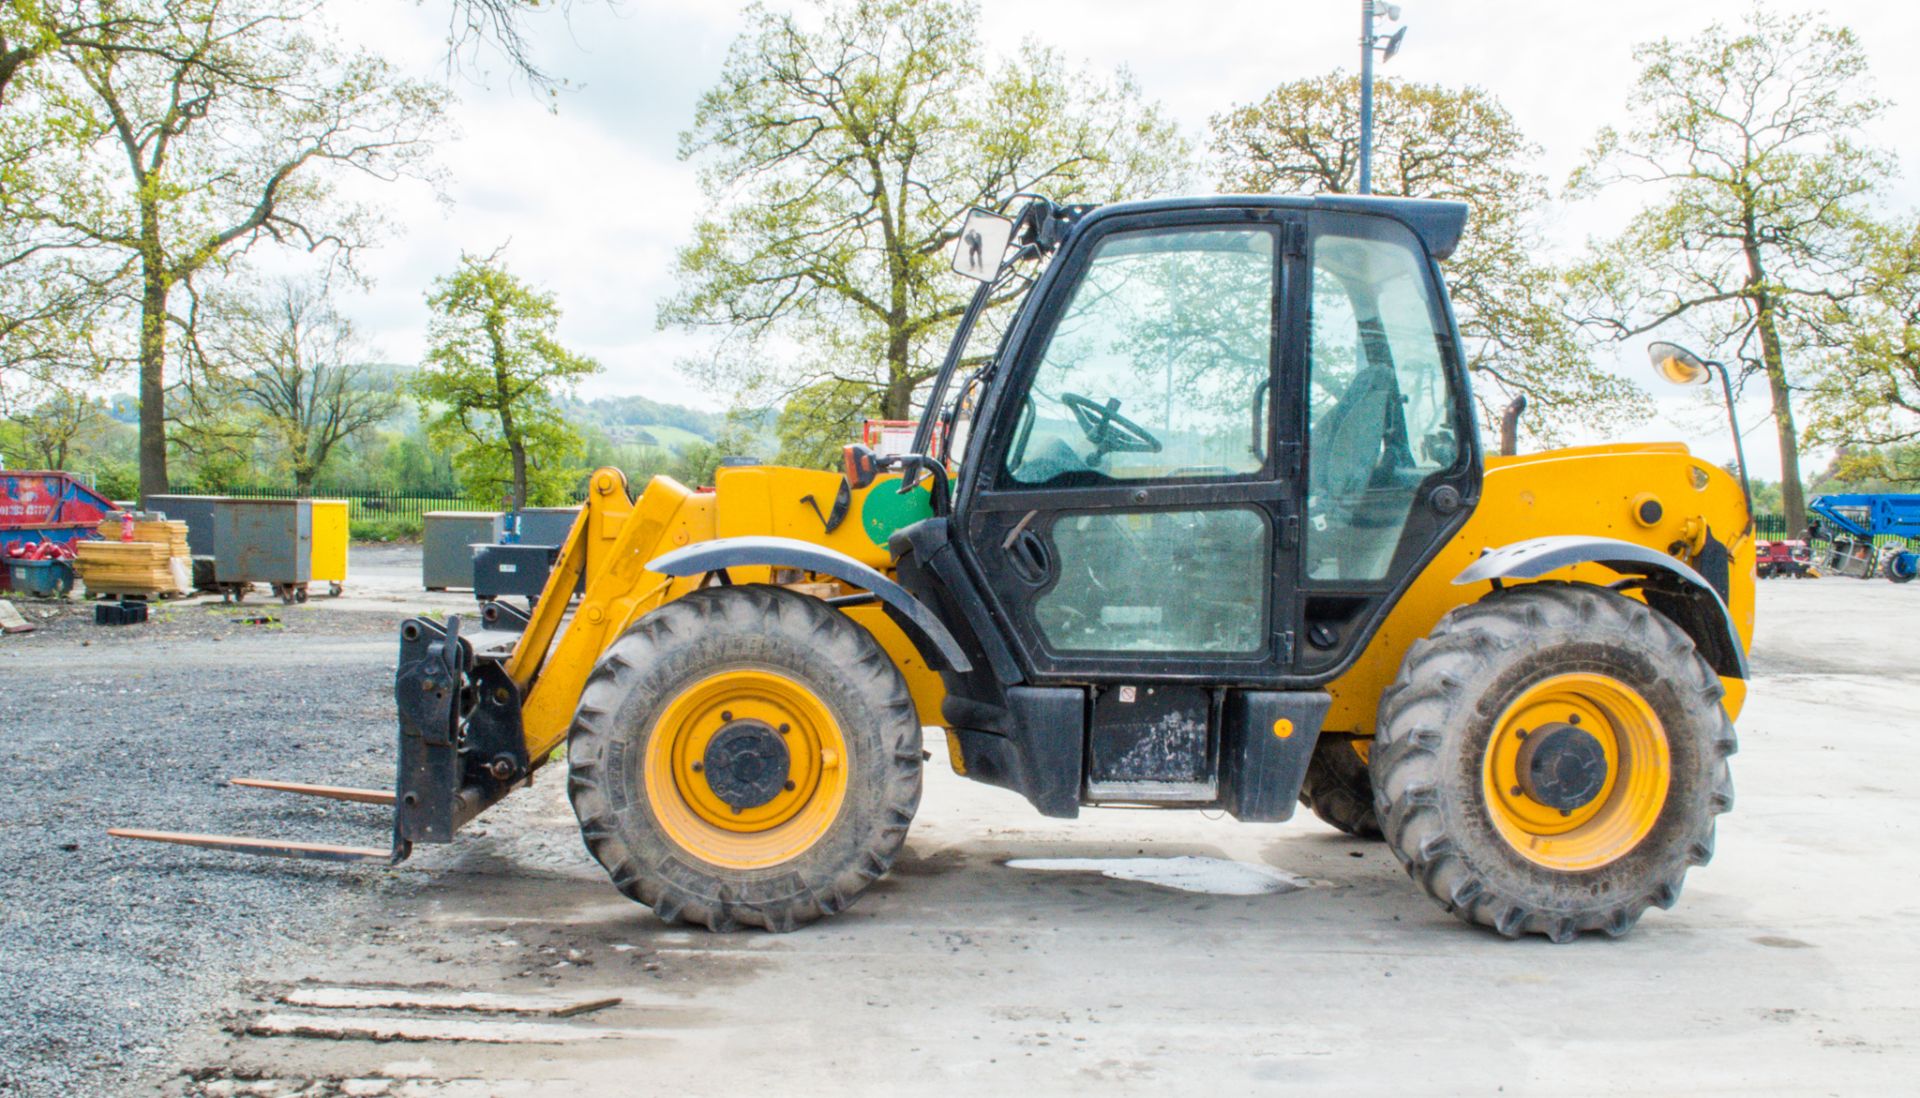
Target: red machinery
{"x": 43, "y": 507}
{"x": 1783, "y": 558}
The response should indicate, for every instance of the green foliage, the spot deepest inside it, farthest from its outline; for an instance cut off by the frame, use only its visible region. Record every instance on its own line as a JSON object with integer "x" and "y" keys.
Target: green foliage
{"x": 396, "y": 528}
{"x": 1867, "y": 396}
{"x": 116, "y": 478}
{"x": 1877, "y": 469}
{"x": 1750, "y": 140}
{"x": 840, "y": 151}
{"x": 817, "y": 423}
{"x": 491, "y": 381}
{"x": 1453, "y": 143}
{"x": 696, "y": 466}
{"x": 408, "y": 463}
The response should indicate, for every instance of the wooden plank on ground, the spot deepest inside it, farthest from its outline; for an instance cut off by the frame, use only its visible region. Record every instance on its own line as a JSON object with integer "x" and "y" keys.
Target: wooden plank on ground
{"x": 479, "y": 1031}
{"x": 407, "y": 998}
{"x": 11, "y": 621}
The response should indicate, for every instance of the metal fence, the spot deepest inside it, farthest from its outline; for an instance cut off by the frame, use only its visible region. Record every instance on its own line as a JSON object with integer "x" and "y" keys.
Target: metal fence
{"x": 1774, "y": 528}
{"x": 365, "y": 504}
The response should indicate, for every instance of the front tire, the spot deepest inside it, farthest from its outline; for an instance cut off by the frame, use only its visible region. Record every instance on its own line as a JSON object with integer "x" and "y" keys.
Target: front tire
{"x": 1551, "y": 760}
{"x": 745, "y": 756}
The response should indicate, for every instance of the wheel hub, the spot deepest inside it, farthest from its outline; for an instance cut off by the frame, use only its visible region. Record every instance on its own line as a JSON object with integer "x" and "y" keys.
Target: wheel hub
{"x": 1576, "y": 771}
{"x": 746, "y": 764}
{"x": 1565, "y": 767}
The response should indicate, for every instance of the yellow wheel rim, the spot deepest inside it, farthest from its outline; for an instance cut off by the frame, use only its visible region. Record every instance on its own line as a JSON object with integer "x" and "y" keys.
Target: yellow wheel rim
{"x": 682, "y": 792}
{"x": 1615, "y": 818}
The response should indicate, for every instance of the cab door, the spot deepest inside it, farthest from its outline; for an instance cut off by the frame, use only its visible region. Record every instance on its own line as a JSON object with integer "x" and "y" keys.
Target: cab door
{"x": 1392, "y": 464}
{"x": 1128, "y": 510}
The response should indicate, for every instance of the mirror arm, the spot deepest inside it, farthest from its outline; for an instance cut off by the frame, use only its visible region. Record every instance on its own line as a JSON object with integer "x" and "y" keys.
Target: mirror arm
{"x": 1739, "y": 446}
{"x": 923, "y": 434}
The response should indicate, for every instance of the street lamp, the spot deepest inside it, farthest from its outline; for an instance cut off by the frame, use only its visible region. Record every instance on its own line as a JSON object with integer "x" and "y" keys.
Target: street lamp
{"x": 1386, "y": 45}
{"x": 1682, "y": 367}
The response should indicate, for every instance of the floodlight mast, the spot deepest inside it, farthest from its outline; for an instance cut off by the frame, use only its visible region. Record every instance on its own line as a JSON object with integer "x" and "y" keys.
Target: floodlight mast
{"x": 1369, "y": 44}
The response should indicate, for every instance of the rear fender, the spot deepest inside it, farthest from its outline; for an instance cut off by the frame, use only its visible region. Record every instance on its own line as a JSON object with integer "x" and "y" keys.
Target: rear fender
{"x": 921, "y": 625}
{"x": 1670, "y": 586}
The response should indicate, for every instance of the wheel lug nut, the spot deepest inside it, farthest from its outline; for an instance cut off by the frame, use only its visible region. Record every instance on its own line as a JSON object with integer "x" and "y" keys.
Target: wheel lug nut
{"x": 790, "y": 787}
{"x": 726, "y": 714}
{"x": 697, "y": 768}
{"x": 1517, "y": 791}
{"x": 785, "y": 728}
{"x": 1519, "y": 733}
{"x": 1573, "y": 718}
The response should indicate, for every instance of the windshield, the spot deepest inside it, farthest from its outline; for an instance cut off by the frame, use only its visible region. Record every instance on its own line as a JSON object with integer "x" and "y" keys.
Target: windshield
{"x": 1160, "y": 362}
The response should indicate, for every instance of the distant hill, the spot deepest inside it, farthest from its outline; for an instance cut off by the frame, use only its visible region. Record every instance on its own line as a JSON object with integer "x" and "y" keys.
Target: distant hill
{"x": 625, "y": 417}
{"x": 629, "y": 420}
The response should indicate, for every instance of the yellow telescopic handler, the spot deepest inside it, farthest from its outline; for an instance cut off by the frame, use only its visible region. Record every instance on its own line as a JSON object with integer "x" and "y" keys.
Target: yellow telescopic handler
{"x": 1210, "y": 528}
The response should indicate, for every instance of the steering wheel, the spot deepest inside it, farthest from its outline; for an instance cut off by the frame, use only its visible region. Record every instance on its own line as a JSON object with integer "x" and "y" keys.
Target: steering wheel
{"x": 1108, "y": 430}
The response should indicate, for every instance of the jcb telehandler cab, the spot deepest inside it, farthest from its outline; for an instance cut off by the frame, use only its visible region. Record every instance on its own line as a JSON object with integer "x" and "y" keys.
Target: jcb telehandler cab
{"x": 1209, "y": 528}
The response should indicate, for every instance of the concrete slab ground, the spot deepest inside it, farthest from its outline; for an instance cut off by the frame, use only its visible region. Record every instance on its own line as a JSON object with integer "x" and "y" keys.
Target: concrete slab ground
{"x": 1790, "y": 966}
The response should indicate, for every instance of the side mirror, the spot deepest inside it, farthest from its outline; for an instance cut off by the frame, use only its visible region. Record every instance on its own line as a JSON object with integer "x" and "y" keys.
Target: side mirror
{"x": 861, "y": 465}
{"x": 982, "y": 245}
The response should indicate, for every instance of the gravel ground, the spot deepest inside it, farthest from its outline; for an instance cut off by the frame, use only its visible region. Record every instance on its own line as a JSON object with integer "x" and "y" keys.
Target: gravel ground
{"x": 108, "y": 947}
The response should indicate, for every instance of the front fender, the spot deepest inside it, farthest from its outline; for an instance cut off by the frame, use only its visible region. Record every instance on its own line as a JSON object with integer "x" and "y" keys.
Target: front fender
{"x": 921, "y": 625}
{"x": 1670, "y": 586}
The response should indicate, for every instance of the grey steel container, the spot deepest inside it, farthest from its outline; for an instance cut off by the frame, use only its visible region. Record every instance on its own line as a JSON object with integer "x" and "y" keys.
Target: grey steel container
{"x": 501, "y": 570}
{"x": 195, "y": 511}
{"x": 546, "y": 525}
{"x": 447, "y": 541}
{"x": 262, "y": 540}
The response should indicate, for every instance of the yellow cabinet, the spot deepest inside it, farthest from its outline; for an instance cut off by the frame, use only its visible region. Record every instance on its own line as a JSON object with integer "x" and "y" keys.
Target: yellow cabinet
{"x": 329, "y": 541}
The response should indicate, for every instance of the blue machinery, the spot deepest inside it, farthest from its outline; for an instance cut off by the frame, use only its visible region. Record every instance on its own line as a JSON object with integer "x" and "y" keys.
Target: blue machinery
{"x": 1853, "y": 521}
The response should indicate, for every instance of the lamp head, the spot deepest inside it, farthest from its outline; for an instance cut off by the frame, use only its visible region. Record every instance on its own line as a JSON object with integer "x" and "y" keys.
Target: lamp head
{"x": 1677, "y": 364}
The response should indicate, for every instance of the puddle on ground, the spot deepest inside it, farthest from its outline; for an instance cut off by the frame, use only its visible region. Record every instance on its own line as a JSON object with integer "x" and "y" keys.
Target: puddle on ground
{"x": 1188, "y": 873}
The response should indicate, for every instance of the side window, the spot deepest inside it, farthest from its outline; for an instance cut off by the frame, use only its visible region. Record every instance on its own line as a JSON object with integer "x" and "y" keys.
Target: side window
{"x": 1159, "y": 365}
{"x": 1154, "y": 582}
{"x": 1380, "y": 406}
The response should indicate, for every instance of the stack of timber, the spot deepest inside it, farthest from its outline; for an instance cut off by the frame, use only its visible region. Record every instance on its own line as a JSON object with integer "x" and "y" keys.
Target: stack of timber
{"x": 156, "y": 562}
{"x": 172, "y": 534}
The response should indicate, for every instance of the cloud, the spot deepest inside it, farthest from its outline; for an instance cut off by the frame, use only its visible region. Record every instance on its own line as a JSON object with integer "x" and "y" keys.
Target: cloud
{"x": 595, "y": 200}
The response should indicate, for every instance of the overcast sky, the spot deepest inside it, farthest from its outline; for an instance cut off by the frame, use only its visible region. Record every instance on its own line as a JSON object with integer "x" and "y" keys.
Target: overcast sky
{"x": 592, "y": 199}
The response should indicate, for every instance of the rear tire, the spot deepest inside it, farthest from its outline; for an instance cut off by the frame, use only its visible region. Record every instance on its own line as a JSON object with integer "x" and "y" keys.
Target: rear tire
{"x": 1339, "y": 788}
{"x": 1539, "y": 655}
{"x": 641, "y": 757}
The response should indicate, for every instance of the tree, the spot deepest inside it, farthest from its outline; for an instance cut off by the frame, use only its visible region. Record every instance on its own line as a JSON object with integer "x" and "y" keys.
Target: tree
{"x": 1750, "y": 139}
{"x": 292, "y": 364}
{"x": 812, "y": 427}
{"x": 30, "y": 29}
{"x": 1866, "y": 397}
{"x": 194, "y": 132}
{"x": 1454, "y": 143}
{"x": 492, "y": 374}
{"x": 840, "y": 152}
{"x": 49, "y": 429}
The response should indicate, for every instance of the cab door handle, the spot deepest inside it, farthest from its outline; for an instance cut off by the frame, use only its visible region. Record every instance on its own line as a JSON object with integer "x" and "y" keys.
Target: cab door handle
{"x": 1032, "y": 561}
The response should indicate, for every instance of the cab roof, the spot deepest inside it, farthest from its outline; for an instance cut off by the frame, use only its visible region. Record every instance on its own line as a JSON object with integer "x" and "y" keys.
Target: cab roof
{"x": 1438, "y": 223}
